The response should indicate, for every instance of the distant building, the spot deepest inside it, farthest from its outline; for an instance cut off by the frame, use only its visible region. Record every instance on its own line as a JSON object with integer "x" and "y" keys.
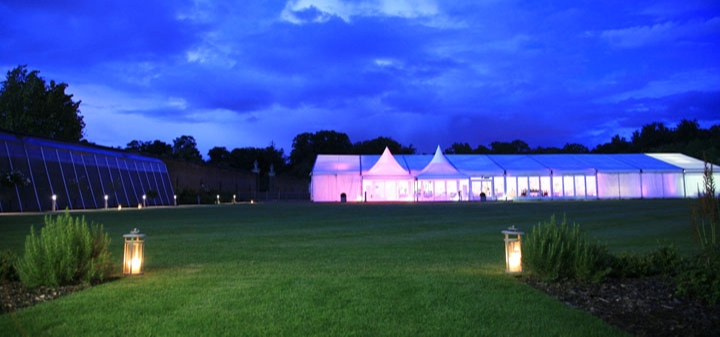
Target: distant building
{"x": 33, "y": 170}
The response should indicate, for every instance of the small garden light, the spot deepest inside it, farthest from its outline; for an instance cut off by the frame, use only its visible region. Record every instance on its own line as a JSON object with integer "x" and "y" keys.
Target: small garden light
{"x": 54, "y": 202}
{"x": 106, "y": 201}
{"x": 513, "y": 250}
{"x": 134, "y": 256}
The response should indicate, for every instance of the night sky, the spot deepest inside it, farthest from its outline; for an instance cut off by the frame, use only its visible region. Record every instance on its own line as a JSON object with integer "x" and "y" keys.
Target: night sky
{"x": 423, "y": 72}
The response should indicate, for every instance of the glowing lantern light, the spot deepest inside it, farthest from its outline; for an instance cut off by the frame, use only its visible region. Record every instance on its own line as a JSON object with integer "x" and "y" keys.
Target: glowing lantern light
{"x": 134, "y": 257}
{"x": 513, "y": 250}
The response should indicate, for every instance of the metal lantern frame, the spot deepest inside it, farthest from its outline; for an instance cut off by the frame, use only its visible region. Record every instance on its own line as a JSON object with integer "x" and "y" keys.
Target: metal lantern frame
{"x": 134, "y": 253}
{"x": 513, "y": 250}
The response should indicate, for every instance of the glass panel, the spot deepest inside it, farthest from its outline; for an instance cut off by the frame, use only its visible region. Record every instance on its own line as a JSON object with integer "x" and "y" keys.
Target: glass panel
{"x": 477, "y": 188}
{"x": 534, "y": 187}
{"x": 630, "y": 186}
{"x": 545, "y": 183}
{"x": 580, "y": 186}
{"x": 427, "y": 189}
{"x": 499, "y": 187}
{"x": 522, "y": 185}
{"x": 608, "y": 185}
{"x": 452, "y": 190}
{"x": 590, "y": 183}
{"x": 569, "y": 186}
{"x": 512, "y": 187}
{"x": 440, "y": 192}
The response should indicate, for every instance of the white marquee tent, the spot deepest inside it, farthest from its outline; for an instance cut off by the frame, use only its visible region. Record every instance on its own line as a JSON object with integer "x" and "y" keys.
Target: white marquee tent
{"x": 440, "y": 177}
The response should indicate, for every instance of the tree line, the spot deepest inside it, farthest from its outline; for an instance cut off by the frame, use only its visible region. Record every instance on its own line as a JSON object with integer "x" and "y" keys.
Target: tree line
{"x": 30, "y": 105}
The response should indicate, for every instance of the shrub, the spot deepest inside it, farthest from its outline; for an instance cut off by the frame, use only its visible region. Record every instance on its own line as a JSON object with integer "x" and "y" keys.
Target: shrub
{"x": 700, "y": 276}
{"x": 557, "y": 251}
{"x": 7, "y": 266}
{"x": 66, "y": 251}
{"x": 705, "y": 216}
{"x": 665, "y": 260}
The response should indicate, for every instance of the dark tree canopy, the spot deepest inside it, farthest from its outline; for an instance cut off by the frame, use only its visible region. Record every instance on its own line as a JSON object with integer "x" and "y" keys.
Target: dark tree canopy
{"x": 378, "y": 145}
{"x": 29, "y": 105}
{"x": 515, "y": 147}
{"x": 616, "y": 145}
{"x": 156, "y": 148}
{"x": 459, "y": 148}
{"x": 185, "y": 148}
{"x": 306, "y": 147}
{"x": 219, "y": 156}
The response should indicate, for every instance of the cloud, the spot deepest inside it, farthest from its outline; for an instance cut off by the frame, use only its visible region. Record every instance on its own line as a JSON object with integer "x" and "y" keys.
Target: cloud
{"x": 318, "y": 11}
{"x": 668, "y": 31}
{"x": 702, "y": 80}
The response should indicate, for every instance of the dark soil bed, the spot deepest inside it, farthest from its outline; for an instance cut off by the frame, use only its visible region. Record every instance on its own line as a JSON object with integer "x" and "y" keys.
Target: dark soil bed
{"x": 15, "y": 296}
{"x": 642, "y": 306}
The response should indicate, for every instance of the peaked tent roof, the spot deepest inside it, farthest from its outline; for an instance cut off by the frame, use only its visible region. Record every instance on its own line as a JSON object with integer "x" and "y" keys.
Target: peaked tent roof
{"x": 387, "y": 166}
{"x": 440, "y": 168}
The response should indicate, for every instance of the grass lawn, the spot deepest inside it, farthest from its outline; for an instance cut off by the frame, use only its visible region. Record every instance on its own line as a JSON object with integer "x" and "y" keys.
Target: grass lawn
{"x": 299, "y": 269}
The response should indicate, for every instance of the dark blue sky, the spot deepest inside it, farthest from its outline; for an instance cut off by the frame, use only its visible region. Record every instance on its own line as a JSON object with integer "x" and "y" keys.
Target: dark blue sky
{"x": 423, "y": 72}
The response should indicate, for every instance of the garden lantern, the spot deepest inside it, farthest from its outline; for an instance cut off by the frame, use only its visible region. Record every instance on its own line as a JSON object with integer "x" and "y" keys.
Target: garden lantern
{"x": 513, "y": 250}
{"x": 134, "y": 256}
{"x": 106, "y": 201}
{"x": 54, "y": 202}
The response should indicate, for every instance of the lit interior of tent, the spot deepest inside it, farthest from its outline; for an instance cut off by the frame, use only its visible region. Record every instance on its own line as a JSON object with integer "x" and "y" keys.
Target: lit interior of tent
{"x": 465, "y": 177}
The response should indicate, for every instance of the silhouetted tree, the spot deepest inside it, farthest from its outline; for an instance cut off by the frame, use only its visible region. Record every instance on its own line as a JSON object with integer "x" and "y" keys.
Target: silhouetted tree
{"x": 378, "y": 145}
{"x": 244, "y": 158}
{"x": 688, "y": 131}
{"x": 185, "y": 148}
{"x": 482, "y": 149}
{"x": 651, "y": 136}
{"x": 29, "y": 105}
{"x": 306, "y": 147}
{"x": 515, "y": 147}
{"x": 156, "y": 148}
{"x": 616, "y": 145}
{"x": 459, "y": 148}
{"x": 219, "y": 156}
{"x": 575, "y": 148}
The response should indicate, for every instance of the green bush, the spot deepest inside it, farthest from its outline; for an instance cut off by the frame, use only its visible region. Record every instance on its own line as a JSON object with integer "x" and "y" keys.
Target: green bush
{"x": 66, "y": 251}
{"x": 700, "y": 276}
{"x": 665, "y": 260}
{"x": 7, "y": 266}
{"x": 557, "y": 252}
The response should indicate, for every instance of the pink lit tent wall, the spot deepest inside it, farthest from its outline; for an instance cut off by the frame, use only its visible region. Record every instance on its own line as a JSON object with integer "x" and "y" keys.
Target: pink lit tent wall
{"x": 440, "y": 177}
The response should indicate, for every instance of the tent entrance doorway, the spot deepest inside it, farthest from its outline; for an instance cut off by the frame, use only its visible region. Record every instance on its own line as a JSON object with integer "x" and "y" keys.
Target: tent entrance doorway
{"x": 484, "y": 186}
